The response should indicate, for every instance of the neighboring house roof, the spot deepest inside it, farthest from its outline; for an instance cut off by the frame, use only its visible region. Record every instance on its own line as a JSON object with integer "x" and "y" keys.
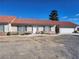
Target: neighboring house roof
{"x": 14, "y": 21}
{"x": 6, "y": 19}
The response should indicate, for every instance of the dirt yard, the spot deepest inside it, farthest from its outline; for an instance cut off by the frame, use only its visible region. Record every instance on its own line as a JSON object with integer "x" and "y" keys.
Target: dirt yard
{"x": 39, "y": 47}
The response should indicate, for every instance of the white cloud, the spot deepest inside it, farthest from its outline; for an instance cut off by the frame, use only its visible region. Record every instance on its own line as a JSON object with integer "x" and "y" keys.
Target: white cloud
{"x": 73, "y": 19}
{"x": 65, "y": 17}
{"x": 77, "y": 14}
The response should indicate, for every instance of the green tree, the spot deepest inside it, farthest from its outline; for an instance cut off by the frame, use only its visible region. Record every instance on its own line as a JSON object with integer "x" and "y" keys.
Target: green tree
{"x": 53, "y": 15}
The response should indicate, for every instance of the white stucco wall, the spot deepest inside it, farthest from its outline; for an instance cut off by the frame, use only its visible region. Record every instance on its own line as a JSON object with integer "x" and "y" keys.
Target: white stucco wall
{"x": 14, "y": 29}
{"x": 53, "y": 28}
{"x": 66, "y": 30}
{"x": 9, "y": 28}
{"x": 35, "y": 29}
{"x": 6, "y": 28}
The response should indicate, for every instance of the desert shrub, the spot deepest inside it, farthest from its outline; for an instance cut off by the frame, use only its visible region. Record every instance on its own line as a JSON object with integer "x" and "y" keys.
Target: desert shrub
{"x": 75, "y": 32}
{"x": 12, "y": 33}
{"x": 42, "y": 32}
{"x": 8, "y": 33}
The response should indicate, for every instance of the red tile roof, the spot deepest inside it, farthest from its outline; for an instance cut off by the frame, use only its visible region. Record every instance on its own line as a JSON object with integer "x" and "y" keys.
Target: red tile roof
{"x": 6, "y": 19}
{"x": 9, "y": 19}
{"x": 32, "y": 22}
{"x": 67, "y": 24}
{"x": 43, "y": 22}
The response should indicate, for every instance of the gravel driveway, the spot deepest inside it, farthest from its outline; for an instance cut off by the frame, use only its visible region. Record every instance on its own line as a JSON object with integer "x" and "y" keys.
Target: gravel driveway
{"x": 40, "y": 47}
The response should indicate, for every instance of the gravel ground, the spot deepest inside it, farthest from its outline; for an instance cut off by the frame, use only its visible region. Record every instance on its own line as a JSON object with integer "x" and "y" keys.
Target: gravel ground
{"x": 39, "y": 47}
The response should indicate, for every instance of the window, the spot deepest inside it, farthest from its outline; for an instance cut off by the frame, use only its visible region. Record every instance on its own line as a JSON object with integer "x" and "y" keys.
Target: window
{"x": 1, "y": 28}
{"x": 29, "y": 29}
{"x": 40, "y": 28}
{"x": 77, "y": 29}
{"x": 25, "y": 28}
{"x": 21, "y": 28}
{"x": 47, "y": 28}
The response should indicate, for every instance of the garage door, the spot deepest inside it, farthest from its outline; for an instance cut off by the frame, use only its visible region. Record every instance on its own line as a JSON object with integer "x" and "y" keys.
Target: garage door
{"x": 66, "y": 30}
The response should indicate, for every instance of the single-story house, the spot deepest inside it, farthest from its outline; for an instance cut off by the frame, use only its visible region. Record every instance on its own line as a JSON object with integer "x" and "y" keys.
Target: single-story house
{"x": 13, "y": 24}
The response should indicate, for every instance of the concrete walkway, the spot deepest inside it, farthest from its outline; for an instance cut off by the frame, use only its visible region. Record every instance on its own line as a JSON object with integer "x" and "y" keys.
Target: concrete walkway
{"x": 69, "y": 34}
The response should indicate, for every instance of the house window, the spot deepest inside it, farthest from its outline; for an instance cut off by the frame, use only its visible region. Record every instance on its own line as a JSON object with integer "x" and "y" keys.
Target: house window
{"x": 1, "y": 28}
{"x": 29, "y": 28}
{"x": 21, "y": 28}
{"x": 47, "y": 28}
{"x": 25, "y": 28}
{"x": 77, "y": 29}
{"x": 40, "y": 28}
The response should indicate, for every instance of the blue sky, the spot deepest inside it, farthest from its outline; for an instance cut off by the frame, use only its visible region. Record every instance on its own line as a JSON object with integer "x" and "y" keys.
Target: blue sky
{"x": 68, "y": 10}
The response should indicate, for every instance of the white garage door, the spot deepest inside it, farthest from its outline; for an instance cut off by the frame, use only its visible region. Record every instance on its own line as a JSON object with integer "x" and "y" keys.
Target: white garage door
{"x": 66, "y": 30}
